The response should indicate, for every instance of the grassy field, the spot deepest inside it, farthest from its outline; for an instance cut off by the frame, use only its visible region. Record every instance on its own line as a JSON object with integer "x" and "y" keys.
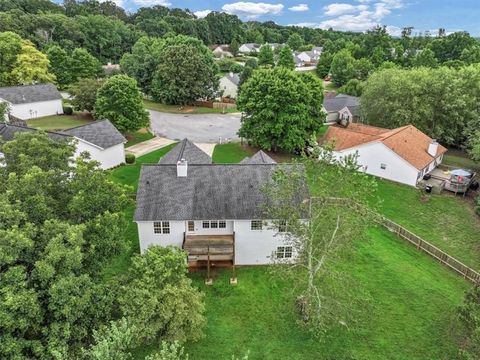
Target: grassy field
{"x": 59, "y": 122}
{"x": 404, "y": 304}
{"x": 446, "y": 221}
{"x": 175, "y": 109}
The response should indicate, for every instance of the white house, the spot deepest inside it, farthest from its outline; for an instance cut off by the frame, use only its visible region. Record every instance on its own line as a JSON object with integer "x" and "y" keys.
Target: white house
{"x": 32, "y": 101}
{"x": 100, "y": 139}
{"x": 229, "y": 85}
{"x": 344, "y": 108}
{"x": 403, "y": 155}
{"x": 311, "y": 56}
{"x": 213, "y": 211}
{"x": 249, "y": 48}
{"x": 222, "y": 51}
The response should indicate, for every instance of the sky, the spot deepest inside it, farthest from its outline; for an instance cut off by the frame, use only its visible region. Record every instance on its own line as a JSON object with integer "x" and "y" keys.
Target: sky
{"x": 355, "y": 15}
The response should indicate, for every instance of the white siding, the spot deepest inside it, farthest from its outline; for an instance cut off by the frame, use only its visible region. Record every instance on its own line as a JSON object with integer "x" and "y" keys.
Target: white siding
{"x": 304, "y": 57}
{"x": 372, "y": 156}
{"x": 254, "y": 247}
{"x": 108, "y": 158}
{"x": 37, "y": 109}
{"x": 149, "y": 238}
{"x": 228, "y": 88}
{"x": 199, "y": 230}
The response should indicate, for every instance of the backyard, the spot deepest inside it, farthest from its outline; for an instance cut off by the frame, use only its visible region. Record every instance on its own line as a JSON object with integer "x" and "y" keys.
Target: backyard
{"x": 404, "y": 301}
{"x": 60, "y": 122}
{"x": 175, "y": 109}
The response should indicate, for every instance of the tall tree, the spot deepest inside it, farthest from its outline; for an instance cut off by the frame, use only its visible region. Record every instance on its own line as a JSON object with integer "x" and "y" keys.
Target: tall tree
{"x": 84, "y": 94}
{"x": 295, "y": 41}
{"x": 425, "y": 57}
{"x": 265, "y": 56}
{"x": 234, "y": 46}
{"x": 342, "y": 68}
{"x": 186, "y": 72}
{"x": 60, "y": 65}
{"x": 84, "y": 65}
{"x": 285, "y": 58}
{"x": 337, "y": 217}
{"x": 10, "y": 47}
{"x": 120, "y": 101}
{"x": 31, "y": 66}
{"x": 59, "y": 224}
{"x": 324, "y": 64}
{"x": 281, "y": 108}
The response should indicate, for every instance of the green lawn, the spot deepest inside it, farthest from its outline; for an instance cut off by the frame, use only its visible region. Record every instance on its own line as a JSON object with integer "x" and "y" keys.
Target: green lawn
{"x": 175, "y": 109}
{"x": 58, "y": 122}
{"x": 404, "y": 304}
{"x": 138, "y": 137}
{"x": 444, "y": 220}
{"x": 459, "y": 158}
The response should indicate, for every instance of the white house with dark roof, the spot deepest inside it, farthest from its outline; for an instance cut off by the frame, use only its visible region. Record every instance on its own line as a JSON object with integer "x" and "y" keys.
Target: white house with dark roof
{"x": 248, "y": 48}
{"x": 213, "y": 211}
{"x": 100, "y": 139}
{"x": 228, "y": 85}
{"x": 32, "y": 101}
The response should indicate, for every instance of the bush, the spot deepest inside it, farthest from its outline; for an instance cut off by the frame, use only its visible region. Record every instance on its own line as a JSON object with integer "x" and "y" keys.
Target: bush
{"x": 67, "y": 110}
{"x": 130, "y": 158}
{"x": 236, "y": 68}
{"x": 225, "y": 64}
{"x": 477, "y": 204}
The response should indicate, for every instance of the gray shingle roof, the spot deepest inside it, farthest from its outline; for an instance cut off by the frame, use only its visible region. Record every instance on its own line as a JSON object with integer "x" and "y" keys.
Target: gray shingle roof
{"x": 234, "y": 78}
{"x": 101, "y": 133}
{"x": 30, "y": 93}
{"x": 187, "y": 150}
{"x": 340, "y": 101}
{"x": 215, "y": 191}
{"x": 259, "y": 158}
{"x": 8, "y": 131}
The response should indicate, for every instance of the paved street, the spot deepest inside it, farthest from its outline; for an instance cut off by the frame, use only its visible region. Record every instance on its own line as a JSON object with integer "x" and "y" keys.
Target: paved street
{"x": 201, "y": 128}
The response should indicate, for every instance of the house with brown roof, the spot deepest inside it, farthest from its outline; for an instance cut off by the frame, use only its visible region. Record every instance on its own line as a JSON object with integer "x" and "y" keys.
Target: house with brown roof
{"x": 403, "y": 155}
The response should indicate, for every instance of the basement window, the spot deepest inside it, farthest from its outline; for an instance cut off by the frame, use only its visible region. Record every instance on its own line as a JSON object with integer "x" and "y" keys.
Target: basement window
{"x": 256, "y": 225}
{"x": 284, "y": 252}
{"x": 222, "y": 224}
{"x": 214, "y": 224}
{"x": 161, "y": 227}
{"x": 383, "y": 166}
{"x": 206, "y": 224}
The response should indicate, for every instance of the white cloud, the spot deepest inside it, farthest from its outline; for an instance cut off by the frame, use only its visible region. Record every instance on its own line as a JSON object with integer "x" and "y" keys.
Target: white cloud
{"x": 299, "y": 8}
{"x": 306, "y": 24}
{"x": 251, "y": 9}
{"x": 342, "y": 8}
{"x": 152, "y": 2}
{"x": 394, "y": 30}
{"x": 358, "y": 17}
{"x": 120, "y": 3}
{"x": 202, "y": 13}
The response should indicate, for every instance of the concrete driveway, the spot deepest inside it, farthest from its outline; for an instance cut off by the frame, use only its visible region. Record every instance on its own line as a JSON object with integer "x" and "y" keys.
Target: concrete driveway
{"x": 201, "y": 128}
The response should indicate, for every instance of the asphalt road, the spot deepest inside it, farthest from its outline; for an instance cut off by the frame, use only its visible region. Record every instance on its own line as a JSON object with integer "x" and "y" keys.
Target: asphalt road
{"x": 203, "y": 128}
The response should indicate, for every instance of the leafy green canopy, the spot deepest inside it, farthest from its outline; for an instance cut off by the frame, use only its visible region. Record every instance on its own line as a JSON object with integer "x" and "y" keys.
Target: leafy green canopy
{"x": 281, "y": 108}
{"x": 59, "y": 224}
{"x": 120, "y": 101}
{"x": 441, "y": 102}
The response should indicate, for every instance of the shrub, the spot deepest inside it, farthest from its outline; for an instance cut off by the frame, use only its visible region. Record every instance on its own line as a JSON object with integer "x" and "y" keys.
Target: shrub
{"x": 236, "y": 68}
{"x": 225, "y": 64}
{"x": 67, "y": 110}
{"x": 130, "y": 158}
{"x": 477, "y": 204}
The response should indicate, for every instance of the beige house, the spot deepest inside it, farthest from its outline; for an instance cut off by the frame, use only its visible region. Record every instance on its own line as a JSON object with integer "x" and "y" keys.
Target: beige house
{"x": 229, "y": 85}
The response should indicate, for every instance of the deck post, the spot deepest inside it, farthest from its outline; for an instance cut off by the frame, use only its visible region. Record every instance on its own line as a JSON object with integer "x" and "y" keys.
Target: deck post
{"x": 233, "y": 279}
{"x": 208, "y": 280}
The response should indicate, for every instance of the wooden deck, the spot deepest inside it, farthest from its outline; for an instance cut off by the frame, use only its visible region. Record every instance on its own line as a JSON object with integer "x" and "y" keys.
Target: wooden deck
{"x": 209, "y": 247}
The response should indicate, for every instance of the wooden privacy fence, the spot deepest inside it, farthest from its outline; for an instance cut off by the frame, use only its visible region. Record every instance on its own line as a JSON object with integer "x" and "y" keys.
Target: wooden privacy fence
{"x": 432, "y": 250}
{"x": 421, "y": 244}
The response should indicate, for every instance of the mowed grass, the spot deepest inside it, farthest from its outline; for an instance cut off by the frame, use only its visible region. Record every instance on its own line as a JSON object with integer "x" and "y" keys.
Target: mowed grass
{"x": 230, "y": 153}
{"x": 446, "y": 221}
{"x": 175, "y": 109}
{"x": 408, "y": 308}
{"x": 138, "y": 137}
{"x": 460, "y": 159}
{"x": 59, "y": 122}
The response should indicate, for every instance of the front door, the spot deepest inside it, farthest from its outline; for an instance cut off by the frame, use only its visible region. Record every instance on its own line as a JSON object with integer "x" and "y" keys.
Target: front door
{"x": 191, "y": 227}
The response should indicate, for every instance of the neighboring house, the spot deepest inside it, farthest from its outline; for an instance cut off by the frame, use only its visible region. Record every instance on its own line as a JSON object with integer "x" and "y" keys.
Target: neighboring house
{"x": 222, "y": 51}
{"x": 111, "y": 68}
{"x": 213, "y": 211}
{"x": 342, "y": 108}
{"x": 310, "y": 56}
{"x": 32, "y": 101}
{"x": 100, "y": 139}
{"x": 403, "y": 155}
{"x": 298, "y": 62}
{"x": 229, "y": 85}
{"x": 249, "y": 48}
